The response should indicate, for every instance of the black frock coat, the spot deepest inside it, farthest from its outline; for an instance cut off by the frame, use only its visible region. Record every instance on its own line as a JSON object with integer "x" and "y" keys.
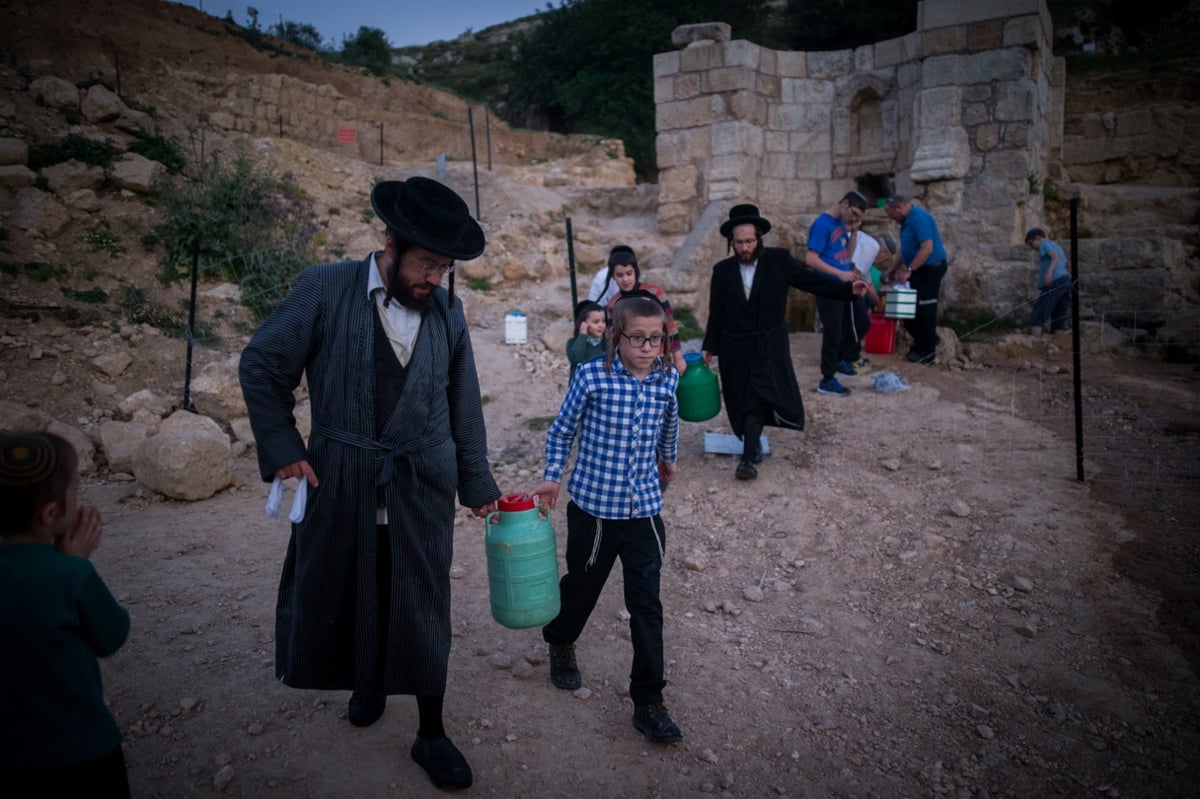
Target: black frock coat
{"x": 750, "y": 336}
{"x": 331, "y": 631}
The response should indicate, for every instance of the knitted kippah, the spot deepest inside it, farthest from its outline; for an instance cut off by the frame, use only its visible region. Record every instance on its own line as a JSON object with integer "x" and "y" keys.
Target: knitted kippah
{"x": 26, "y": 461}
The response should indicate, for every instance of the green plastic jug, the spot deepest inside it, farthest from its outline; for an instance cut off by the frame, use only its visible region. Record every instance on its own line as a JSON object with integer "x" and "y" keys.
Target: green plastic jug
{"x": 698, "y": 392}
{"x": 522, "y": 564}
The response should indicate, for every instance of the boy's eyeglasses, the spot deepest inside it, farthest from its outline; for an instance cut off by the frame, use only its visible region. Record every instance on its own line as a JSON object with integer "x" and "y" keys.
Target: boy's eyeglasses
{"x": 641, "y": 341}
{"x": 434, "y": 268}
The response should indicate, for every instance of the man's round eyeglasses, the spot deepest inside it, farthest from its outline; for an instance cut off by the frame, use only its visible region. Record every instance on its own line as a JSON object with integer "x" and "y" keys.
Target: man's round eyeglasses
{"x": 434, "y": 268}
{"x": 641, "y": 341}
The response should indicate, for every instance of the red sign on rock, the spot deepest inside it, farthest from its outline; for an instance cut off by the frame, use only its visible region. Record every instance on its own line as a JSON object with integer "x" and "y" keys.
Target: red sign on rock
{"x": 347, "y": 135}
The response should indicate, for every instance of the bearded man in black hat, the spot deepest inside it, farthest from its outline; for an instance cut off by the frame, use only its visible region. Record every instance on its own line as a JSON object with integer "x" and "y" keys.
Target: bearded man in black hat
{"x": 747, "y": 330}
{"x": 397, "y": 431}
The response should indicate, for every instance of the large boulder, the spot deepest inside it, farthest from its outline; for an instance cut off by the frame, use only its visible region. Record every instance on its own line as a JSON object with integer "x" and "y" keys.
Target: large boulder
{"x": 216, "y": 391}
{"x": 55, "y": 93}
{"x": 136, "y": 173}
{"x": 101, "y": 104}
{"x": 188, "y": 459}
{"x": 120, "y": 440}
{"x": 13, "y": 152}
{"x": 16, "y": 418}
{"x": 38, "y": 213}
{"x": 72, "y": 176}
{"x": 83, "y": 445}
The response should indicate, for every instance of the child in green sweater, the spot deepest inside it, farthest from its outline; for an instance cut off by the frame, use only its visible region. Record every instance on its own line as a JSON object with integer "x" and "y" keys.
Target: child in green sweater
{"x": 57, "y": 737}
{"x": 590, "y": 339}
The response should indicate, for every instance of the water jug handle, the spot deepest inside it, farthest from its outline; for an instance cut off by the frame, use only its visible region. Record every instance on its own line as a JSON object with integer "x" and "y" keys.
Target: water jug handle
{"x": 487, "y": 520}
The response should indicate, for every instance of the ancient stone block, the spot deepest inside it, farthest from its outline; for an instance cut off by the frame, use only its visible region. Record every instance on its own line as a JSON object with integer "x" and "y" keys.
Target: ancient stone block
{"x": 1135, "y": 121}
{"x": 664, "y": 90}
{"x": 680, "y": 147}
{"x": 702, "y": 57}
{"x": 975, "y": 114}
{"x": 666, "y": 64}
{"x": 689, "y": 113}
{"x": 731, "y": 138}
{"x": 830, "y": 64}
{"x": 1008, "y": 164}
{"x": 1026, "y": 30}
{"x": 792, "y": 64}
{"x": 951, "y": 39}
{"x": 723, "y": 167}
{"x": 963, "y": 70}
{"x": 780, "y": 165}
{"x": 687, "y": 85}
{"x": 702, "y": 32}
{"x": 728, "y": 79}
{"x": 742, "y": 53}
{"x": 814, "y": 165}
{"x": 768, "y": 86}
{"x": 987, "y": 137}
{"x": 806, "y": 91}
{"x": 749, "y": 106}
{"x": 939, "y": 13}
{"x": 864, "y": 58}
{"x": 677, "y": 185}
{"x": 775, "y": 141}
{"x": 985, "y": 35}
{"x": 1015, "y": 101}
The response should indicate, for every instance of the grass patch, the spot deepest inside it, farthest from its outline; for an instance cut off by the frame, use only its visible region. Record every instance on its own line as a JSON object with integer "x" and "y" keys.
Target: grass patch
{"x": 101, "y": 238}
{"x": 482, "y": 283}
{"x": 539, "y": 423}
{"x": 41, "y": 271}
{"x": 981, "y": 320}
{"x": 93, "y": 152}
{"x": 89, "y": 296}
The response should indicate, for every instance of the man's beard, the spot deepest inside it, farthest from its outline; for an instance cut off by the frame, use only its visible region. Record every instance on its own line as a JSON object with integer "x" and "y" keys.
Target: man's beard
{"x": 403, "y": 293}
{"x": 758, "y": 248}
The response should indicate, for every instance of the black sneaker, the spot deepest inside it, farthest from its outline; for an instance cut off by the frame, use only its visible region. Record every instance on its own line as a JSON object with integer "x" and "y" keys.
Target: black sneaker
{"x": 846, "y": 368}
{"x": 563, "y": 671}
{"x": 445, "y": 765}
{"x": 745, "y": 471}
{"x": 915, "y": 357}
{"x": 364, "y": 709}
{"x": 653, "y": 722}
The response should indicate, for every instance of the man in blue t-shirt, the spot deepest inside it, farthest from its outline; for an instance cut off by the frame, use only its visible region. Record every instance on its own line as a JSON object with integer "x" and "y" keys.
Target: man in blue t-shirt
{"x": 829, "y": 253}
{"x": 922, "y": 262}
{"x": 1054, "y": 284}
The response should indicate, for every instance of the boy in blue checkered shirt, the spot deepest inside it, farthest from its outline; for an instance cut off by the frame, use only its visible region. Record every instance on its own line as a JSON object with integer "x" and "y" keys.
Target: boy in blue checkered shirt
{"x": 624, "y": 412}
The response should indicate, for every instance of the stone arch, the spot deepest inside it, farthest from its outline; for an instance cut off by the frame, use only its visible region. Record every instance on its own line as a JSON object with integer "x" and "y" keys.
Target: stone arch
{"x": 865, "y": 136}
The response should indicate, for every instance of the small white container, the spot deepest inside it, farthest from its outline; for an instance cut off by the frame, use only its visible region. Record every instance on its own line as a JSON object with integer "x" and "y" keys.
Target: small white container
{"x": 515, "y": 328}
{"x": 900, "y": 304}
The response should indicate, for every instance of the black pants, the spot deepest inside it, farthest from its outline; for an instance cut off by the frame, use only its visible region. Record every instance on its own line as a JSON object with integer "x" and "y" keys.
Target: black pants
{"x": 104, "y": 776}
{"x": 923, "y": 327}
{"x": 637, "y": 542}
{"x": 843, "y": 324}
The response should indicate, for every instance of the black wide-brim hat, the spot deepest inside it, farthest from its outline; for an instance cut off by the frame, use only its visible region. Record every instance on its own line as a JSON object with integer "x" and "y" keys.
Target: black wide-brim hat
{"x": 430, "y": 215}
{"x": 745, "y": 214}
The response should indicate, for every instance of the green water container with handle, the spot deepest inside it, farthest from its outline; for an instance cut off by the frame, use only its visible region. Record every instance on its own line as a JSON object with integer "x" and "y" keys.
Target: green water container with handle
{"x": 522, "y": 563}
{"x": 698, "y": 390}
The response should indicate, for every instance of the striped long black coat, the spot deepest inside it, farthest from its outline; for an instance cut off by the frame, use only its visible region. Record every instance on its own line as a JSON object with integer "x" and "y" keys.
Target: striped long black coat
{"x": 329, "y": 628}
{"x": 749, "y": 336}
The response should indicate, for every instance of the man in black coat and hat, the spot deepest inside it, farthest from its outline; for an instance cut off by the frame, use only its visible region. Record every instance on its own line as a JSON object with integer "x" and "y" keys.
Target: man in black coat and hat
{"x": 397, "y": 431}
{"x": 747, "y": 330}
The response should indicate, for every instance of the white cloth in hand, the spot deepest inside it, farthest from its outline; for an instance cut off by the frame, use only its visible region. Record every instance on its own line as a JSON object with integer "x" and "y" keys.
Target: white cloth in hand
{"x": 275, "y": 500}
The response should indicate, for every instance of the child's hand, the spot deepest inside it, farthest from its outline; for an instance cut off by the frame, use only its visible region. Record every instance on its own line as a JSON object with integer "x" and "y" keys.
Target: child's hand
{"x": 82, "y": 539}
{"x": 547, "y": 493}
{"x": 666, "y": 471}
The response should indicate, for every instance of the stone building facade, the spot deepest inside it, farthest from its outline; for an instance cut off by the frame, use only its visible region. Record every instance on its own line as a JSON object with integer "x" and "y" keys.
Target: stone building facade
{"x": 964, "y": 114}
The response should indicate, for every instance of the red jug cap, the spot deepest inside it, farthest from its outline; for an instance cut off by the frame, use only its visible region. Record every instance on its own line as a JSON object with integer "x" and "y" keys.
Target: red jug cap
{"x": 516, "y": 502}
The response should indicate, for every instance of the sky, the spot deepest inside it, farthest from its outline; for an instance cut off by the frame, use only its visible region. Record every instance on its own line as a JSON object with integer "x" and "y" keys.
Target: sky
{"x": 404, "y": 22}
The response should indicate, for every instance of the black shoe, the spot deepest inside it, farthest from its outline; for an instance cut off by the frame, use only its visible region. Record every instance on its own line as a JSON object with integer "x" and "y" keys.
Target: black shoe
{"x": 757, "y": 459}
{"x": 365, "y": 709}
{"x": 916, "y": 357}
{"x": 746, "y": 471}
{"x": 445, "y": 765}
{"x": 653, "y": 722}
{"x": 563, "y": 671}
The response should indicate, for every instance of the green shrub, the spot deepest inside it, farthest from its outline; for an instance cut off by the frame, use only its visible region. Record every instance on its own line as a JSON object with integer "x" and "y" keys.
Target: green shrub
{"x": 167, "y": 152}
{"x": 101, "y": 238}
{"x": 93, "y": 152}
{"x": 483, "y": 283}
{"x": 253, "y": 227}
{"x": 689, "y": 328}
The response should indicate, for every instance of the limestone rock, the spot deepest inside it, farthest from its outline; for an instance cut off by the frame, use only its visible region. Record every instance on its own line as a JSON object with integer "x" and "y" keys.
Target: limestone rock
{"x": 16, "y": 418}
{"x": 701, "y": 33}
{"x": 82, "y": 444}
{"x": 38, "y": 213}
{"x": 56, "y": 93}
{"x": 13, "y": 152}
{"x": 70, "y": 176}
{"x": 100, "y": 104}
{"x": 120, "y": 440}
{"x": 216, "y": 391}
{"x": 136, "y": 173}
{"x": 147, "y": 400}
{"x": 189, "y": 458}
{"x": 16, "y": 176}
{"x": 113, "y": 363}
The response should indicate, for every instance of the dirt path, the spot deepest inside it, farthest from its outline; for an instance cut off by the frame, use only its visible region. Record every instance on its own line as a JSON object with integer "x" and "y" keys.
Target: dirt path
{"x": 890, "y": 610}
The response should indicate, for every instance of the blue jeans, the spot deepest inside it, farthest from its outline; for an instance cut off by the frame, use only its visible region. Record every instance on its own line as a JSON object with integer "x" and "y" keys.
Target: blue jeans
{"x": 1052, "y": 305}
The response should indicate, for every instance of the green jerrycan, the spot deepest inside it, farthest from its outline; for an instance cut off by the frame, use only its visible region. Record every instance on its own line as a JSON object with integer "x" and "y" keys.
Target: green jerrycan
{"x": 522, "y": 564}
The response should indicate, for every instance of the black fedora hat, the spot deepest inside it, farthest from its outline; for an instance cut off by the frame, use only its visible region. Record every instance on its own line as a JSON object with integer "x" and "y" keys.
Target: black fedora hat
{"x": 745, "y": 214}
{"x": 430, "y": 215}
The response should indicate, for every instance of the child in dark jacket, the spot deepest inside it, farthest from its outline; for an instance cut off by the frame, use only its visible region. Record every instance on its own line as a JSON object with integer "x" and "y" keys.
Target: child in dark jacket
{"x": 57, "y": 737}
{"x": 590, "y": 339}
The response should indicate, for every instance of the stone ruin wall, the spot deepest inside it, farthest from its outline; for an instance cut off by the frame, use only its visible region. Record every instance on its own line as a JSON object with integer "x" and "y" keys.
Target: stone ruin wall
{"x": 965, "y": 114}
